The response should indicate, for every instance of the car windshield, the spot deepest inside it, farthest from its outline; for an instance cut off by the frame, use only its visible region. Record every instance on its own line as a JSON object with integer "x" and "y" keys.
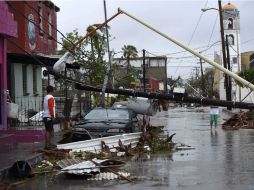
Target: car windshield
{"x": 107, "y": 114}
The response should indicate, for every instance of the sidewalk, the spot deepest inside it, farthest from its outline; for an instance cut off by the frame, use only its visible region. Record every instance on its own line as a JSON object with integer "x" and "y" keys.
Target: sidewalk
{"x": 23, "y": 151}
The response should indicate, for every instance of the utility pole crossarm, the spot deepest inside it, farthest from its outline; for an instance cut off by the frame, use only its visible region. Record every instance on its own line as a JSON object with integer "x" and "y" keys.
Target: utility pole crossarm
{"x": 216, "y": 65}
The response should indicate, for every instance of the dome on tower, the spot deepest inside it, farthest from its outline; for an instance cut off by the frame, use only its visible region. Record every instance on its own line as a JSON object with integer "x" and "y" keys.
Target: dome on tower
{"x": 229, "y": 6}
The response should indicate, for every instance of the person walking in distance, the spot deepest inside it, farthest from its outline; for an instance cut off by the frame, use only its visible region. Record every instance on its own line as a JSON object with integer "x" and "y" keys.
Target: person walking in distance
{"x": 214, "y": 113}
{"x": 48, "y": 117}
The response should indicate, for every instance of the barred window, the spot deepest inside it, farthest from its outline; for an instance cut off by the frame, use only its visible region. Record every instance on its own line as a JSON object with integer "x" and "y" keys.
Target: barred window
{"x": 24, "y": 78}
{"x": 35, "y": 91}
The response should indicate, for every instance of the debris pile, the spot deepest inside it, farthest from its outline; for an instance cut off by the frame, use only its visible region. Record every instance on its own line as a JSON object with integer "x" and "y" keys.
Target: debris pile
{"x": 104, "y": 162}
{"x": 241, "y": 120}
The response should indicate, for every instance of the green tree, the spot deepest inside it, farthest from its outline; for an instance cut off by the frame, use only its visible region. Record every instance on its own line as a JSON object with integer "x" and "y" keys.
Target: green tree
{"x": 247, "y": 75}
{"x": 129, "y": 51}
{"x": 89, "y": 55}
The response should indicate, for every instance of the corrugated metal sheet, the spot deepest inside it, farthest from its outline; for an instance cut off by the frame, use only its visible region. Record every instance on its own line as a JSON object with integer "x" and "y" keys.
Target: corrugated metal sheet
{"x": 79, "y": 168}
{"x": 108, "y": 176}
{"x": 94, "y": 145}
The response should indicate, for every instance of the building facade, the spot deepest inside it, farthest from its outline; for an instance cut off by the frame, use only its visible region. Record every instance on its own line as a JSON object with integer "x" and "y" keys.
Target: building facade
{"x": 8, "y": 28}
{"x": 155, "y": 71}
{"x": 37, "y": 35}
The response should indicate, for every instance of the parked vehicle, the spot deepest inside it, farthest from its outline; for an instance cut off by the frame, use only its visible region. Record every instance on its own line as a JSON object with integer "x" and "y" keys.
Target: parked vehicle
{"x": 102, "y": 122}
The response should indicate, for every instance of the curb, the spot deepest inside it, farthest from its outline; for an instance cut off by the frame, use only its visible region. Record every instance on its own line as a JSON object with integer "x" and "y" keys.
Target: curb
{"x": 32, "y": 161}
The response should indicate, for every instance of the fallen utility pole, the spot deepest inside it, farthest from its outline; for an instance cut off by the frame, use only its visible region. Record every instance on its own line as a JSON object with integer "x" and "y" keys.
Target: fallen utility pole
{"x": 213, "y": 63}
{"x": 185, "y": 99}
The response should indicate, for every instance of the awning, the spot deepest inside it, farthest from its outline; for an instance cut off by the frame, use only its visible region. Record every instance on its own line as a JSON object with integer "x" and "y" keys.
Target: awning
{"x": 29, "y": 60}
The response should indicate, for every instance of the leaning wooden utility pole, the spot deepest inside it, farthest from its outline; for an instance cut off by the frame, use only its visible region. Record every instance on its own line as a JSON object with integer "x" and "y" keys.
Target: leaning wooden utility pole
{"x": 228, "y": 62}
{"x": 228, "y": 92}
{"x": 108, "y": 65}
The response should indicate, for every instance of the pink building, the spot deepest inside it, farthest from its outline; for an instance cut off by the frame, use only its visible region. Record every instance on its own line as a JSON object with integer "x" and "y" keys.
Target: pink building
{"x": 8, "y": 28}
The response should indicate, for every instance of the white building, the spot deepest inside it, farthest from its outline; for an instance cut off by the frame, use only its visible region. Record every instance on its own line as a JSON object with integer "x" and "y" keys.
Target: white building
{"x": 231, "y": 23}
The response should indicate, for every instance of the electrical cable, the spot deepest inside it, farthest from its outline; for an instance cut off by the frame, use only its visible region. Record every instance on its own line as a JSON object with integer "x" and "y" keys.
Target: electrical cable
{"x": 193, "y": 33}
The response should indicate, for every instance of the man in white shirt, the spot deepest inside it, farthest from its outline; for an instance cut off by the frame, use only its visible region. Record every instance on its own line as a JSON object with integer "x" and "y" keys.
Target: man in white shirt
{"x": 48, "y": 117}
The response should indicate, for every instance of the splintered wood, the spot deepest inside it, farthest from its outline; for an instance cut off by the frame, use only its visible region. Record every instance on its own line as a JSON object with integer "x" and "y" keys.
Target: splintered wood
{"x": 241, "y": 120}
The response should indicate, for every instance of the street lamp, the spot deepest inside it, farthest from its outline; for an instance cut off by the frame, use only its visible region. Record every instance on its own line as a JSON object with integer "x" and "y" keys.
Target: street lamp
{"x": 228, "y": 89}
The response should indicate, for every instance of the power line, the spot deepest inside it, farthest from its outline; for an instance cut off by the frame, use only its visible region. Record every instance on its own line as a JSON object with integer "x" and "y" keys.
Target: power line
{"x": 193, "y": 33}
{"x": 212, "y": 30}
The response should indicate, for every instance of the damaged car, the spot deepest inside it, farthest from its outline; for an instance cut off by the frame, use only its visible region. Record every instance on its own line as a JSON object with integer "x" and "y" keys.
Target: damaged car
{"x": 103, "y": 122}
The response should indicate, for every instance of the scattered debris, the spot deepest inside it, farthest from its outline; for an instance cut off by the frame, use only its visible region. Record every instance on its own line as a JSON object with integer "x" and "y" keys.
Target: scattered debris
{"x": 96, "y": 159}
{"x": 183, "y": 147}
{"x": 241, "y": 120}
{"x": 108, "y": 176}
{"x": 56, "y": 154}
{"x": 82, "y": 168}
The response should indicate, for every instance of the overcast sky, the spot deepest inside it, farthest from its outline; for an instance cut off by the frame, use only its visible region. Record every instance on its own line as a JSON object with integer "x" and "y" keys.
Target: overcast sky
{"x": 180, "y": 19}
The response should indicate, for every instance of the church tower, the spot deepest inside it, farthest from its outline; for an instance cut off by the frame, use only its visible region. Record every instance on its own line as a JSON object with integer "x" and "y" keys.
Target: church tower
{"x": 231, "y": 23}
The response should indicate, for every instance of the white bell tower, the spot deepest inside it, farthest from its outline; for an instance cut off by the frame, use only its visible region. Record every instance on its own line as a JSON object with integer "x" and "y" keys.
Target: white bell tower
{"x": 231, "y": 23}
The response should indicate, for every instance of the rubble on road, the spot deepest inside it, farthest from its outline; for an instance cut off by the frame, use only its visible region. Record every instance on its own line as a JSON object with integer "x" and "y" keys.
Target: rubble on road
{"x": 100, "y": 159}
{"x": 108, "y": 176}
{"x": 241, "y": 120}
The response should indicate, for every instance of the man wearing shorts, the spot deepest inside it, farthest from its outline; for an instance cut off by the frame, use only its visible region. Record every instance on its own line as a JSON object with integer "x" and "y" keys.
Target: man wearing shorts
{"x": 48, "y": 117}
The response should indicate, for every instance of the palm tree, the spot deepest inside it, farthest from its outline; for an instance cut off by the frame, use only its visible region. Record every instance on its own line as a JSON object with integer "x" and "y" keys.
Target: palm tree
{"x": 129, "y": 51}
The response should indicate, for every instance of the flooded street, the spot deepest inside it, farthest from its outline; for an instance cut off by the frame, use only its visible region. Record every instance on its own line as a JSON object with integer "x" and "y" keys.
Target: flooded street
{"x": 221, "y": 160}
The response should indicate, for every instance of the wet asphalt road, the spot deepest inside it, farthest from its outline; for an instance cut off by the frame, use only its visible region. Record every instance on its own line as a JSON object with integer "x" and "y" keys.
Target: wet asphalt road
{"x": 221, "y": 160}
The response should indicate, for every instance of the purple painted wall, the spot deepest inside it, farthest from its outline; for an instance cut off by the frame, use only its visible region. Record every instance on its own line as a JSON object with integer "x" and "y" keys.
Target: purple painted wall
{"x": 8, "y": 28}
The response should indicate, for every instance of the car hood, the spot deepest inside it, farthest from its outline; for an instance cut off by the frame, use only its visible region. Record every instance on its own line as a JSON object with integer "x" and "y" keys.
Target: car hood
{"x": 103, "y": 124}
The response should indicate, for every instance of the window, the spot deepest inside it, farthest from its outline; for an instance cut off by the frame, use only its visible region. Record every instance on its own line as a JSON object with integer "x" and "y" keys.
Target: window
{"x": 24, "y": 77}
{"x": 230, "y": 23}
{"x": 40, "y": 15}
{"x": 35, "y": 92}
{"x": 49, "y": 24}
{"x": 231, "y": 39}
{"x": 234, "y": 60}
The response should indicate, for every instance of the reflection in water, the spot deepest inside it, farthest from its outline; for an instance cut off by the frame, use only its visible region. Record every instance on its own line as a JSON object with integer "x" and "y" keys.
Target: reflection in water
{"x": 214, "y": 137}
{"x": 229, "y": 159}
